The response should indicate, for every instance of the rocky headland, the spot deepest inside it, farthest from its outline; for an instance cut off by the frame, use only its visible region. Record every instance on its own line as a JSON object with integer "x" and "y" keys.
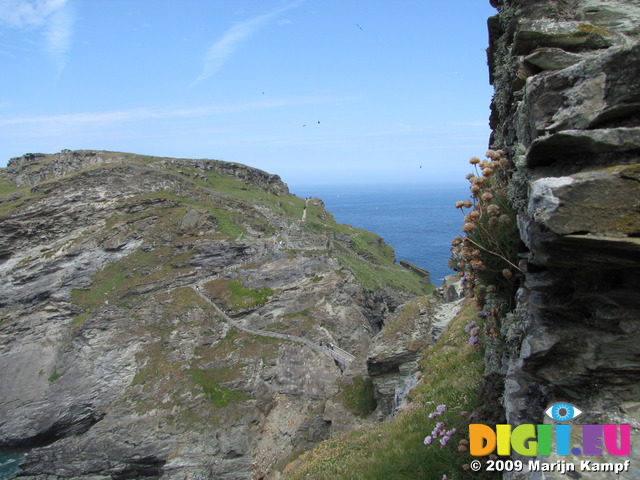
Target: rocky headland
{"x": 173, "y": 318}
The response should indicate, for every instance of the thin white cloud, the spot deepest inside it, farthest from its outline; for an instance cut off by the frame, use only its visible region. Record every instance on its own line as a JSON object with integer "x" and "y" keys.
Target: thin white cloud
{"x": 119, "y": 116}
{"x": 53, "y": 18}
{"x": 222, "y": 49}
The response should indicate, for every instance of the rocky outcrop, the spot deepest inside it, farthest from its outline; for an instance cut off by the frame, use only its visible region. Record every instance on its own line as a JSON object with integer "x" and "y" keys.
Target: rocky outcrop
{"x": 34, "y": 168}
{"x": 566, "y": 110}
{"x": 111, "y": 363}
{"x": 394, "y": 353}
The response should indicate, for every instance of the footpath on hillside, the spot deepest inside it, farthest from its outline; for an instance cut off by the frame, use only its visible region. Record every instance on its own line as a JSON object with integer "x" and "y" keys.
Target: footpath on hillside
{"x": 340, "y": 356}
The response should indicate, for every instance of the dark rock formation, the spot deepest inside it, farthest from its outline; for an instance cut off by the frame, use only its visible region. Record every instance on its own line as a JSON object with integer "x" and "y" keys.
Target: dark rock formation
{"x": 566, "y": 109}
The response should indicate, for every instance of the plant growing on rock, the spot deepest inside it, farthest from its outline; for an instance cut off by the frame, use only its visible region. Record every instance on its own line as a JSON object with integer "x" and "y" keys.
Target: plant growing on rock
{"x": 487, "y": 254}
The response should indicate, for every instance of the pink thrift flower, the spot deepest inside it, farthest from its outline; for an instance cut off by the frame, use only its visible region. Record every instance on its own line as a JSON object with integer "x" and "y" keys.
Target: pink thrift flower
{"x": 427, "y": 440}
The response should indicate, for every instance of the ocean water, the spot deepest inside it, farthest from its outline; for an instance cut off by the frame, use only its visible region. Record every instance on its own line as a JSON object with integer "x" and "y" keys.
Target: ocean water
{"x": 9, "y": 464}
{"x": 418, "y": 221}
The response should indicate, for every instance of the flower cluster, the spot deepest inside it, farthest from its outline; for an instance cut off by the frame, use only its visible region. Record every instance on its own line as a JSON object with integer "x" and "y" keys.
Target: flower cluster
{"x": 440, "y": 409}
{"x": 439, "y": 432}
{"x": 474, "y": 331}
{"x": 488, "y": 252}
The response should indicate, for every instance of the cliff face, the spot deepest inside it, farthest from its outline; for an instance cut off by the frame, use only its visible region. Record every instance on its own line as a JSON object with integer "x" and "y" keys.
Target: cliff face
{"x": 567, "y": 112}
{"x": 115, "y": 358}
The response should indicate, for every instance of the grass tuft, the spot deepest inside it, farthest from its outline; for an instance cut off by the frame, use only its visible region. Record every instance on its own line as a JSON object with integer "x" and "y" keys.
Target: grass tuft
{"x": 219, "y": 396}
{"x": 358, "y": 396}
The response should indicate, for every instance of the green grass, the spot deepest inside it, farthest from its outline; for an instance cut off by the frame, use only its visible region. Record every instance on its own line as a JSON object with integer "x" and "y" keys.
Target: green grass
{"x": 288, "y": 206}
{"x": 54, "y": 376}
{"x": 365, "y": 254}
{"x": 219, "y": 396}
{"x": 7, "y": 187}
{"x": 452, "y": 372}
{"x": 381, "y": 277}
{"x": 79, "y": 320}
{"x": 307, "y": 313}
{"x": 116, "y": 282}
{"x": 358, "y": 396}
{"x": 228, "y": 221}
{"x": 242, "y": 297}
{"x": 403, "y": 318}
{"x": 586, "y": 29}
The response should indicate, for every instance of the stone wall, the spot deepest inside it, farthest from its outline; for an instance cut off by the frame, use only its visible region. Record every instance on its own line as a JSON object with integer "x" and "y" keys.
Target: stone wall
{"x": 566, "y": 110}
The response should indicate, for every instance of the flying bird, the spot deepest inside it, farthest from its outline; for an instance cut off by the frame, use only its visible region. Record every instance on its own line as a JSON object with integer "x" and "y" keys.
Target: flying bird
{"x": 358, "y": 26}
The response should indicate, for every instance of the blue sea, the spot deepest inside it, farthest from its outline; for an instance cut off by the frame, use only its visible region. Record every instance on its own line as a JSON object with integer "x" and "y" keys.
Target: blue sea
{"x": 9, "y": 464}
{"x": 418, "y": 221}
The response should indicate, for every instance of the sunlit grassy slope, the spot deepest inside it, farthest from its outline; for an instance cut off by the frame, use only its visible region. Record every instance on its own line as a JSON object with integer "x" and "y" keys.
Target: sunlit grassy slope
{"x": 395, "y": 450}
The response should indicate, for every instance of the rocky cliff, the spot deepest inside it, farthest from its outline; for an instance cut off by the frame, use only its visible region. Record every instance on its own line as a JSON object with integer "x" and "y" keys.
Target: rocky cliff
{"x": 566, "y": 110}
{"x": 170, "y": 318}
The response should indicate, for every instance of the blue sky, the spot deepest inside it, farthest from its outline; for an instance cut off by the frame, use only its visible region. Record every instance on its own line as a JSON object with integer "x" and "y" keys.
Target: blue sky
{"x": 316, "y": 91}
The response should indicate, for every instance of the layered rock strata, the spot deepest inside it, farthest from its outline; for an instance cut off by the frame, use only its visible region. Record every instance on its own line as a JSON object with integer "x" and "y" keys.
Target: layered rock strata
{"x": 114, "y": 365}
{"x": 566, "y": 110}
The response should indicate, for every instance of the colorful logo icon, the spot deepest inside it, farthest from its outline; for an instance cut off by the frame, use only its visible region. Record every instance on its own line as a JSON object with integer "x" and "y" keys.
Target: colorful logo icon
{"x": 532, "y": 440}
{"x": 563, "y": 412}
